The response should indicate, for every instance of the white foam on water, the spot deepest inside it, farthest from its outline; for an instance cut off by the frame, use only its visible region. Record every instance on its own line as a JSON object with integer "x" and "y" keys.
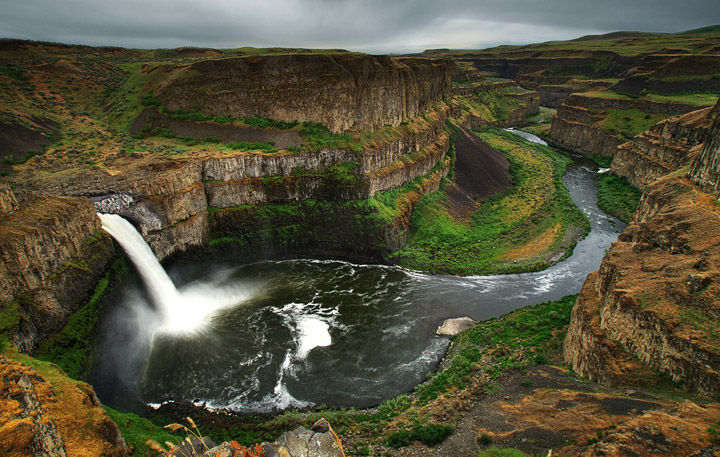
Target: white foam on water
{"x": 180, "y": 313}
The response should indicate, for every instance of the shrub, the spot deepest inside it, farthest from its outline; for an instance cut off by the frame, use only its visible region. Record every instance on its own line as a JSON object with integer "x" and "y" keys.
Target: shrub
{"x": 484, "y": 439}
{"x": 430, "y": 435}
{"x": 150, "y": 99}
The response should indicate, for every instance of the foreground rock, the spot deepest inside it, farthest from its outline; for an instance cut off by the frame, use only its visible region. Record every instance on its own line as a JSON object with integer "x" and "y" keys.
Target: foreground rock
{"x": 52, "y": 418}
{"x": 319, "y": 441}
{"x": 452, "y": 327}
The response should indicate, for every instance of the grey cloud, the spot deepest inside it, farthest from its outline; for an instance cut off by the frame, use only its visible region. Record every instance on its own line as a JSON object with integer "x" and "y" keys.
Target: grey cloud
{"x": 382, "y": 25}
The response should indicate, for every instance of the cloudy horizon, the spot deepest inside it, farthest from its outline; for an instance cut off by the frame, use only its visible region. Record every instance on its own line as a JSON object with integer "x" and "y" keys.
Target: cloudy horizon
{"x": 375, "y": 26}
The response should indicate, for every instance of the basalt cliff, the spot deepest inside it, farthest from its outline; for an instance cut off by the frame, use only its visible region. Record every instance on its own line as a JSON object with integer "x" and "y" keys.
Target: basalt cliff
{"x": 340, "y": 91}
{"x": 653, "y": 303}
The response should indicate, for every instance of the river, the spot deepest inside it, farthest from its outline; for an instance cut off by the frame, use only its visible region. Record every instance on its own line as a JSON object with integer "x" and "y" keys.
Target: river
{"x": 300, "y": 333}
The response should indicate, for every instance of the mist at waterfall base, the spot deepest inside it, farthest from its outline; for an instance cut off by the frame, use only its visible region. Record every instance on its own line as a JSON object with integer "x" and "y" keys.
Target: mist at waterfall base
{"x": 299, "y": 333}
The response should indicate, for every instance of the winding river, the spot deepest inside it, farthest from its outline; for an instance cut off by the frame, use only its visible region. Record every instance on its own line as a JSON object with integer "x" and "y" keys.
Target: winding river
{"x": 299, "y": 333}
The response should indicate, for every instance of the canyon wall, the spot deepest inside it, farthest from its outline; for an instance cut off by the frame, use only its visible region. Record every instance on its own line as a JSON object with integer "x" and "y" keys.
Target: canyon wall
{"x": 666, "y": 147}
{"x": 174, "y": 205}
{"x": 341, "y": 91}
{"x": 53, "y": 254}
{"x": 577, "y": 125}
{"x": 653, "y": 303}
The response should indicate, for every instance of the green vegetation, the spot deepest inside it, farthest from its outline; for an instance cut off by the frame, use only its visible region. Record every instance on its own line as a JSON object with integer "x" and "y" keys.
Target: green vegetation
{"x": 254, "y": 121}
{"x": 695, "y": 99}
{"x": 72, "y": 348}
{"x": 617, "y": 197}
{"x": 526, "y": 336}
{"x": 150, "y": 99}
{"x": 268, "y": 147}
{"x": 494, "y": 105}
{"x": 625, "y": 124}
{"x": 430, "y": 435}
{"x": 536, "y": 216}
{"x": 318, "y": 137}
{"x": 138, "y": 431}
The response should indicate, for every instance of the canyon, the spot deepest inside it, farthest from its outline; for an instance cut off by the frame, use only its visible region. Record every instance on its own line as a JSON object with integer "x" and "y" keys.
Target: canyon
{"x": 288, "y": 154}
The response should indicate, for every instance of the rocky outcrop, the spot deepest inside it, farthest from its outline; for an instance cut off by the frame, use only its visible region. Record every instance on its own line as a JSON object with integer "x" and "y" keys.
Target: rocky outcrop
{"x": 52, "y": 253}
{"x": 42, "y": 419}
{"x": 666, "y": 147}
{"x": 8, "y": 203}
{"x": 174, "y": 202}
{"x": 654, "y": 300}
{"x": 705, "y": 170}
{"x": 341, "y": 91}
{"x": 578, "y": 125}
{"x": 320, "y": 441}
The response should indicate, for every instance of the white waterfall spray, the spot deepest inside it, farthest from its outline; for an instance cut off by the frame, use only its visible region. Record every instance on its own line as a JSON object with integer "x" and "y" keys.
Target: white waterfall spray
{"x": 160, "y": 287}
{"x": 180, "y": 312}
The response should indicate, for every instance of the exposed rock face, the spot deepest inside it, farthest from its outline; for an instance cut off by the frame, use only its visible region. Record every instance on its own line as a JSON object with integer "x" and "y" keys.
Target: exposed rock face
{"x": 320, "y": 441}
{"x": 654, "y": 299}
{"x": 577, "y": 123}
{"x": 53, "y": 252}
{"x": 174, "y": 203}
{"x": 341, "y": 91}
{"x": 39, "y": 419}
{"x": 705, "y": 170}
{"x": 8, "y": 203}
{"x": 668, "y": 146}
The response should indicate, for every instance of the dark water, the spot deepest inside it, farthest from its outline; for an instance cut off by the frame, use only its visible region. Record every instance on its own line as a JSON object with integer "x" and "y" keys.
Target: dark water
{"x": 304, "y": 332}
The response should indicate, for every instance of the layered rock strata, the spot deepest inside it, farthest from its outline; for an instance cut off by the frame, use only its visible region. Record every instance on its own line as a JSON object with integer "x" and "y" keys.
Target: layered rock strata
{"x": 175, "y": 204}
{"x": 577, "y": 125}
{"x": 654, "y": 300}
{"x": 666, "y": 147}
{"x": 53, "y": 253}
{"x": 341, "y": 91}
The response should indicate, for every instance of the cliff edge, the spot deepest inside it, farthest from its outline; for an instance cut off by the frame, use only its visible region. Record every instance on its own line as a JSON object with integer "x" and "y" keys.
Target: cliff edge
{"x": 341, "y": 91}
{"x": 654, "y": 301}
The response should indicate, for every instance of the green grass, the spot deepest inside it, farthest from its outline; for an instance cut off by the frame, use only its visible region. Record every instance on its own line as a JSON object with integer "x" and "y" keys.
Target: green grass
{"x": 493, "y": 105}
{"x": 430, "y": 435}
{"x": 138, "y": 430}
{"x": 319, "y": 137}
{"x": 527, "y": 336}
{"x": 72, "y": 349}
{"x": 617, "y": 197}
{"x": 625, "y": 124}
{"x": 537, "y": 203}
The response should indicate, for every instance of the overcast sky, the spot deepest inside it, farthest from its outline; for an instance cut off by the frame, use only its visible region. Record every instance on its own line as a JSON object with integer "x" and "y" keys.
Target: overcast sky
{"x": 375, "y": 26}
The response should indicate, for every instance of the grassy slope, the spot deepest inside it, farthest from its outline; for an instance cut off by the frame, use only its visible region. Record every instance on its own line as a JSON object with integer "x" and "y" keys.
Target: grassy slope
{"x": 512, "y": 231}
{"x": 617, "y": 197}
{"x": 623, "y": 43}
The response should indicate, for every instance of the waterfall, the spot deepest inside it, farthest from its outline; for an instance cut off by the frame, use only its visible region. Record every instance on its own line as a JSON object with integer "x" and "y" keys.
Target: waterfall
{"x": 160, "y": 287}
{"x": 179, "y": 312}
